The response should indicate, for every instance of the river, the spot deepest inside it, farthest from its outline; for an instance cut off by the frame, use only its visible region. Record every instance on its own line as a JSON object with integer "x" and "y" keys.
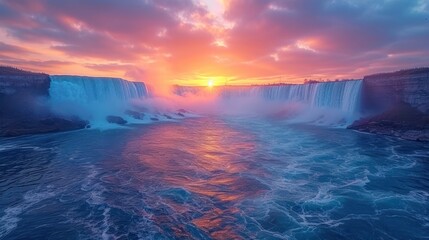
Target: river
{"x": 214, "y": 178}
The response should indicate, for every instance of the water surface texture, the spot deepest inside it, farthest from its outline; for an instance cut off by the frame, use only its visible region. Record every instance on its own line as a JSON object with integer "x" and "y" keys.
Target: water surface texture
{"x": 212, "y": 178}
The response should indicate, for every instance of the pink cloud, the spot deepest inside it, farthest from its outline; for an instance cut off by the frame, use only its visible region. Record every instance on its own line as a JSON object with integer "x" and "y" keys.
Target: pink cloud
{"x": 170, "y": 39}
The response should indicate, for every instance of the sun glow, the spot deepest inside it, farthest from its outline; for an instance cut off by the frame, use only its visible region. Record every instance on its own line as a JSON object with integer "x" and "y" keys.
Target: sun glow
{"x": 210, "y": 83}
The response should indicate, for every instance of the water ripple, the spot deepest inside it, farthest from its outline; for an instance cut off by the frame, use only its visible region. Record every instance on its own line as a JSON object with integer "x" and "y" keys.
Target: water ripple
{"x": 207, "y": 178}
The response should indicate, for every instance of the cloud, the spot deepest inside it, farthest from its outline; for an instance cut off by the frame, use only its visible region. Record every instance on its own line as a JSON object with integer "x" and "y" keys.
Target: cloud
{"x": 8, "y": 48}
{"x": 179, "y": 39}
{"x": 32, "y": 65}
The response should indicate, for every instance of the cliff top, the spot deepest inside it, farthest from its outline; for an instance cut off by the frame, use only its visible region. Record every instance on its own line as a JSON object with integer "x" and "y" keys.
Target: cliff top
{"x": 405, "y": 72}
{"x": 12, "y": 71}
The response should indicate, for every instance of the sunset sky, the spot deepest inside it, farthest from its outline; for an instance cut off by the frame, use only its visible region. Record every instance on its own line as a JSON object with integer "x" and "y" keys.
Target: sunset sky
{"x": 234, "y": 42}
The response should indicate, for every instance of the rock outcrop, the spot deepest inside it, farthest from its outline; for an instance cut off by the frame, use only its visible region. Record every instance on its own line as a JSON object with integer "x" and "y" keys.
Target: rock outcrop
{"x": 397, "y": 104}
{"x": 385, "y": 90}
{"x": 36, "y": 126}
{"x": 15, "y": 81}
{"x": 23, "y": 105}
{"x": 22, "y": 92}
{"x": 401, "y": 121}
{"x": 116, "y": 119}
{"x": 135, "y": 114}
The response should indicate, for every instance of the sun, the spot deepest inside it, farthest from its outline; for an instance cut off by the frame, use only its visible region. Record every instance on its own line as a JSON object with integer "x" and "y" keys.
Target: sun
{"x": 210, "y": 83}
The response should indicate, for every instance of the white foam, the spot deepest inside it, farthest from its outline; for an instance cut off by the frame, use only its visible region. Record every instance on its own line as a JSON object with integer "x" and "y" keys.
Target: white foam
{"x": 10, "y": 219}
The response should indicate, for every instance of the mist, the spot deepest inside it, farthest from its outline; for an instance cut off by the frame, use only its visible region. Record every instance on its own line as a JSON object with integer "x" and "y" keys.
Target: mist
{"x": 253, "y": 102}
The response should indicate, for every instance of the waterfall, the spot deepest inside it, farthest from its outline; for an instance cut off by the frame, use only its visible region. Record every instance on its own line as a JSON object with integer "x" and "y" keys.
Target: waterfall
{"x": 328, "y": 101}
{"x": 93, "y": 98}
{"x": 95, "y": 89}
{"x": 341, "y": 95}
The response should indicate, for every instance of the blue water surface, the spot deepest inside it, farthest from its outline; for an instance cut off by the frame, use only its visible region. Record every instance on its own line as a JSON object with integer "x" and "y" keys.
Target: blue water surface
{"x": 212, "y": 178}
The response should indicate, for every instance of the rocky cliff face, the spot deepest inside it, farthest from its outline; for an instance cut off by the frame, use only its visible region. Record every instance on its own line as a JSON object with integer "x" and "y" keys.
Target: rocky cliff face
{"x": 19, "y": 82}
{"x": 397, "y": 104}
{"x": 23, "y": 105}
{"x": 22, "y": 92}
{"x": 383, "y": 91}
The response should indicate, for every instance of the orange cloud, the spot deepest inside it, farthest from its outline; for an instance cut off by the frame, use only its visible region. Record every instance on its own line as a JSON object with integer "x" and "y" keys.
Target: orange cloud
{"x": 186, "y": 42}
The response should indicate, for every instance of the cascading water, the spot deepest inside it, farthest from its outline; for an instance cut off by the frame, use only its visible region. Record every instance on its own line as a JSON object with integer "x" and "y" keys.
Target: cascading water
{"x": 328, "y": 103}
{"x": 342, "y": 95}
{"x": 93, "y": 98}
{"x": 95, "y": 89}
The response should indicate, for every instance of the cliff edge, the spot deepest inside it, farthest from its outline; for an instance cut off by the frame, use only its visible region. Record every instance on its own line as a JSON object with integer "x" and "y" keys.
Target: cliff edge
{"x": 24, "y": 107}
{"x": 396, "y": 104}
{"x": 385, "y": 90}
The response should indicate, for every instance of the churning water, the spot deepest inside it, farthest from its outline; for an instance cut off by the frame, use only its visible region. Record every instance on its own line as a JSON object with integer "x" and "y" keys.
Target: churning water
{"x": 214, "y": 178}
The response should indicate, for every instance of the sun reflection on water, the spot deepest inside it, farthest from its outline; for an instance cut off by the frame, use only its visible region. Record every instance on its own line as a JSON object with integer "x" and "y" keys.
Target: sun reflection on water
{"x": 209, "y": 164}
